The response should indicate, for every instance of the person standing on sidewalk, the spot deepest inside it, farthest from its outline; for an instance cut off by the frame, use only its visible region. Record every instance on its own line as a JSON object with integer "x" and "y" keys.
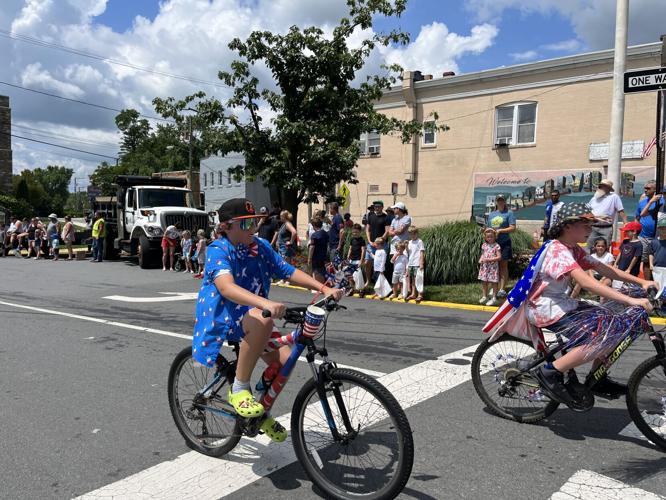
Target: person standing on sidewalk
{"x": 552, "y": 207}
{"x": 53, "y": 235}
{"x": 98, "y": 235}
{"x": 647, "y": 212}
{"x": 377, "y": 227}
{"x": 503, "y": 222}
{"x": 68, "y": 236}
{"x": 336, "y": 233}
{"x": 605, "y": 206}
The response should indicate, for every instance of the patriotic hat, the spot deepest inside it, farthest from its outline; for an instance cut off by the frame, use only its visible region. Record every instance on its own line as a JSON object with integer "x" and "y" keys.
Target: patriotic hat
{"x": 574, "y": 212}
{"x": 237, "y": 208}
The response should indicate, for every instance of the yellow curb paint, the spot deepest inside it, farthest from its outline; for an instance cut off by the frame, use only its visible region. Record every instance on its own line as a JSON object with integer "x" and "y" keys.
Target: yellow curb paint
{"x": 453, "y": 305}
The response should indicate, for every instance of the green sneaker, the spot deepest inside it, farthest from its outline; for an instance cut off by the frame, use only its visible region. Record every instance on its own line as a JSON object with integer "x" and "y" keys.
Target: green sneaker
{"x": 245, "y": 404}
{"x": 274, "y": 430}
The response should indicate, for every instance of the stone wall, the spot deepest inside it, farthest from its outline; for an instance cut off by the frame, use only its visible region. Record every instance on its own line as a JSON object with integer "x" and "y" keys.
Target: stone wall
{"x": 5, "y": 145}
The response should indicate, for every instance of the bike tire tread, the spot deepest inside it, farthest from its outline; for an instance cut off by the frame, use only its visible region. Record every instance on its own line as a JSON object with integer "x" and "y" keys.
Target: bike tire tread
{"x": 632, "y": 406}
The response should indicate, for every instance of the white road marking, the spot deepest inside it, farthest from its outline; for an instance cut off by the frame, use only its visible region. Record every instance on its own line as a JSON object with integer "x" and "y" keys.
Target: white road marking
{"x": 193, "y": 475}
{"x": 588, "y": 485}
{"x": 166, "y": 297}
{"x": 98, "y": 320}
{"x": 372, "y": 373}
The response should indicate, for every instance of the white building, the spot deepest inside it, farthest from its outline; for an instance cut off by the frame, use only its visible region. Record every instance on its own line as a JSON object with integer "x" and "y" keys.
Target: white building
{"x": 218, "y": 183}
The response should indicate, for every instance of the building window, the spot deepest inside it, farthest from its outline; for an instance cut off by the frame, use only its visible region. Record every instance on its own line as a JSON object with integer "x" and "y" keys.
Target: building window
{"x": 212, "y": 178}
{"x": 205, "y": 179}
{"x": 429, "y": 137}
{"x": 220, "y": 178}
{"x": 228, "y": 177}
{"x": 516, "y": 124}
{"x": 369, "y": 144}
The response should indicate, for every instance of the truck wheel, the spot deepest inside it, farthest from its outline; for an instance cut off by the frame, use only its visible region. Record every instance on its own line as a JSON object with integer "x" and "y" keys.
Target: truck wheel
{"x": 146, "y": 257}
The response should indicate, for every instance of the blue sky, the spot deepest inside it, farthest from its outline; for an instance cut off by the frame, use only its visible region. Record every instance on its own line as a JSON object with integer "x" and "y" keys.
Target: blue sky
{"x": 190, "y": 37}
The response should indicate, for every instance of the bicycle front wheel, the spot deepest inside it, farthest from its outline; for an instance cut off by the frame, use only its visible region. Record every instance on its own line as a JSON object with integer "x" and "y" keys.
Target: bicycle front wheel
{"x": 207, "y": 421}
{"x": 646, "y": 399}
{"x": 373, "y": 454}
{"x": 498, "y": 380}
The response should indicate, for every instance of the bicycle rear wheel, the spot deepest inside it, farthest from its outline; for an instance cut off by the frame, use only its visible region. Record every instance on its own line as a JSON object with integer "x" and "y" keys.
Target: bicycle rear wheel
{"x": 374, "y": 457}
{"x": 497, "y": 379}
{"x": 207, "y": 422}
{"x": 646, "y": 399}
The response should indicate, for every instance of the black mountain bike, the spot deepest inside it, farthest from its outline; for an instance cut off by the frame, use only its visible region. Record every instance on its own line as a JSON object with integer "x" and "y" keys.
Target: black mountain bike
{"x": 502, "y": 379}
{"x": 348, "y": 431}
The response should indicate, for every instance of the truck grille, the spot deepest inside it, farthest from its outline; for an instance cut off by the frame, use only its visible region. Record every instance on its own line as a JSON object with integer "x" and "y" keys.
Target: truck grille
{"x": 191, "y": 222}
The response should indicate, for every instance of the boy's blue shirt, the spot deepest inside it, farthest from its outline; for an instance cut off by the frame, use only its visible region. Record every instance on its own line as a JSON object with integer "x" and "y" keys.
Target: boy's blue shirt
{"x": 217, "y": 318}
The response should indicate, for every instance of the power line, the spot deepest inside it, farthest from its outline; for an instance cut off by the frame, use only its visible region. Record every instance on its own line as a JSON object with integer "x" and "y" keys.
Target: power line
{"x": 101, "y": 106}
{"x": 53, "y": 135}
{"x": 71, "y": 50}
{"x": 59, "y": 146}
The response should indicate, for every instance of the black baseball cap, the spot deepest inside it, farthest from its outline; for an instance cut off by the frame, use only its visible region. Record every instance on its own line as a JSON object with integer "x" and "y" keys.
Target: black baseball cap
{"x": 237, "y": 208}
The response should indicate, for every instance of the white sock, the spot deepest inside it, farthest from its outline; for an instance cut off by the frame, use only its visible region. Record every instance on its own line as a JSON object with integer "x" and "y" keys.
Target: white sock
{"x": 240, "y": 386}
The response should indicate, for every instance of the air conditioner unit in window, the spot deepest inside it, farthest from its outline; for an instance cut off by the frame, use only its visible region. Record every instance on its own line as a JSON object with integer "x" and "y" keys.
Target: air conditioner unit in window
{"x": 373, "y": 150}
{"x": 502, "y": 142}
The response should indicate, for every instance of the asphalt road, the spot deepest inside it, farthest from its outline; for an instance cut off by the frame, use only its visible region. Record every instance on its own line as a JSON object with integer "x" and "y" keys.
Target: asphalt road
{"x": 85, "y": 402}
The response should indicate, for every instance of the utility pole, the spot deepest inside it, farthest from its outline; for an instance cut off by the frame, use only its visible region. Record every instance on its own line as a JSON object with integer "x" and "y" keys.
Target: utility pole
{"x": 190, "y": 148}
{"x": 617, "y": 108}
{"x": 661, "y": 122}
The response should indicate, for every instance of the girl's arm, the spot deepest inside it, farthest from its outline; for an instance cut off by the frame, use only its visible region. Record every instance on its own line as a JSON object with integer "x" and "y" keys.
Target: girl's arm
{"x": 395, "y": 256}
{"x": 292, "y": 230}
{"x": 616, "y": 274}
{"x": 595, "y": 287}
{"x": 274, "y": 239}
{"x": 651, "y": 260}
{"x": 422, "y": 259}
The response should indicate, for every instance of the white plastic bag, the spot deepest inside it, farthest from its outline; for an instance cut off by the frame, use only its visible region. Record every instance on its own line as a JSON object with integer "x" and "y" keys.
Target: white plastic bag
{"x": 405, "y": 284}
{"x": 659, "y": 275}
{"x": 359, "y": 282}
{"x": 382, "y": 287}
{"x": 418, "y": 281}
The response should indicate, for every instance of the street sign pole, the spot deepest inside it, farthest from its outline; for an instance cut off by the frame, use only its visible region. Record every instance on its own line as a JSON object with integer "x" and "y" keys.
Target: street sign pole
{"x": 661, "y": 129}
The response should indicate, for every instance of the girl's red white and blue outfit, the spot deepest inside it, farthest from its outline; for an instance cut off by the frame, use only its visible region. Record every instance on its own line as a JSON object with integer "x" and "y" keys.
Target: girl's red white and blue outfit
{"x": 219, "y": 319}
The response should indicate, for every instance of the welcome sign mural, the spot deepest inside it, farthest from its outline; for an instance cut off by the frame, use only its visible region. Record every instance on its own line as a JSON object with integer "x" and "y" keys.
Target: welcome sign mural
{"x": 527, "y": 192}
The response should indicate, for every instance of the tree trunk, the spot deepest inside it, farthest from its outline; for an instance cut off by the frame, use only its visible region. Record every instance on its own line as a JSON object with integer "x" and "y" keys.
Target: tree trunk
{"x": 289, "y": 201}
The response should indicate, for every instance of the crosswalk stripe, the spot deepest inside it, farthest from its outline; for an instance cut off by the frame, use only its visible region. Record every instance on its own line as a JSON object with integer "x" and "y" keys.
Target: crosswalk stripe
{"x": 588, "y": 485}
{"x": 193, "y": 475}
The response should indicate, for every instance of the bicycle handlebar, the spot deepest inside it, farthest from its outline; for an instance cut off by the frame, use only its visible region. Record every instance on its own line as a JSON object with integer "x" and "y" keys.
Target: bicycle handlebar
{"x": 295, "y": 314}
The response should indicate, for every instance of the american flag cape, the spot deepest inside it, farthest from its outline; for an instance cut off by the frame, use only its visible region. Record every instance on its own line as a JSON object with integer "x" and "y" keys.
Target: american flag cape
{"x": 511, "y": 317}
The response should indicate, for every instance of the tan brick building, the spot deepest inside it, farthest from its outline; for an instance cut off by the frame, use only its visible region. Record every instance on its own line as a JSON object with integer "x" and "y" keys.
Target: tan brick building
{"x": 551, "y": 115}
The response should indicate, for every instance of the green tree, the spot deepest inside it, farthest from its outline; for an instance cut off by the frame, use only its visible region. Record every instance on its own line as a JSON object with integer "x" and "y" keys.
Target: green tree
{"x": 104, "y": 177}
{"x": 55, "y": 181}
{"x": 77, "y": 204}
{"x": 312, "y": 144}
{"x": 16, "y": 207}
{"x": 28, "y": 189}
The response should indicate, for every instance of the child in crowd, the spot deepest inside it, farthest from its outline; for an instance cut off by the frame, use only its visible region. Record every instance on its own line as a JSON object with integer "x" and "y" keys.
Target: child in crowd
{"x": 631, "y": 251}
{"x": 657, "y": 256}
{"x": 37, "y": 244}
{"x": 318, "y": 250}
{"x": 599, "y": 252}
{"x": 186, "y": 246}
{"x": 491, "y": 254}
{"x": 201, "y": 252}
{"x": 379, "y": 262}
{"x": 356, "y": 253}
{"x": 416, "y": 253}
{"x": 399, "y": 261}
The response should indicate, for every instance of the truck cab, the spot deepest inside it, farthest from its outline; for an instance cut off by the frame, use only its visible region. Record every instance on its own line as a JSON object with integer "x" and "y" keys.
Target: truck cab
{"x": 146, "y": 207}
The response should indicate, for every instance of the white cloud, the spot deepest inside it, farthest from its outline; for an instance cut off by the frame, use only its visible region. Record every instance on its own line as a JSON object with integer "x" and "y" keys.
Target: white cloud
{"x": 436, "y": 49}
{"x": 187, "y": 37}
{"x": 593, "y": 21}
{"x": 571, "y": 45}
{"x": 528, "y": 55}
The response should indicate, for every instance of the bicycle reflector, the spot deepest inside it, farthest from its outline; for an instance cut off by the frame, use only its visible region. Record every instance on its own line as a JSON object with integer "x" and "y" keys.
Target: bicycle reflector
{"x": 313, "y": 317}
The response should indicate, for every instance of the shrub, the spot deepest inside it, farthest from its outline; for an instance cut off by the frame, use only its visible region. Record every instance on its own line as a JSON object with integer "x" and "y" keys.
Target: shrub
{"x": 18, "y": 208}
{"x": 453, "y": 250}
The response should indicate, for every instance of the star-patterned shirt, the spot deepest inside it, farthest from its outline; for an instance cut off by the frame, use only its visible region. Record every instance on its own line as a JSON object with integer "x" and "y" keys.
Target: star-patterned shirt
{"x": 217, "y": 318}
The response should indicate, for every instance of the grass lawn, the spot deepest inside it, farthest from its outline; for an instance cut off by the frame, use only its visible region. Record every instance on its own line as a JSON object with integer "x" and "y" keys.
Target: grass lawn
{"x": 467, "y": 293}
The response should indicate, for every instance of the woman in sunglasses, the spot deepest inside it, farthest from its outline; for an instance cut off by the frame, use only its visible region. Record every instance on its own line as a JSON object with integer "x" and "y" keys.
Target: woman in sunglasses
{"x": 236, "y": 282}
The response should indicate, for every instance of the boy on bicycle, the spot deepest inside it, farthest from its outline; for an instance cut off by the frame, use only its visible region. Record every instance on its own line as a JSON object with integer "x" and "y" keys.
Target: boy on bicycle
{"x": 236, "y": 282}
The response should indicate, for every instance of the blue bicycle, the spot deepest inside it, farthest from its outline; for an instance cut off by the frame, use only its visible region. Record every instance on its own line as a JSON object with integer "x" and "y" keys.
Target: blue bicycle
{"x": 348, "y": 431}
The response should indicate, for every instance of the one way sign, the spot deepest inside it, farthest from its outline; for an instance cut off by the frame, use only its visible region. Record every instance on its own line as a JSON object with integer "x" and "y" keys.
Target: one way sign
{"x": 645, "y": 80}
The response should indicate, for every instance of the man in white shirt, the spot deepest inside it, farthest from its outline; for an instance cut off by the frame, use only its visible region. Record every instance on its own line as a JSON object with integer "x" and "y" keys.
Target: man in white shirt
{"x": 606, "y": 206}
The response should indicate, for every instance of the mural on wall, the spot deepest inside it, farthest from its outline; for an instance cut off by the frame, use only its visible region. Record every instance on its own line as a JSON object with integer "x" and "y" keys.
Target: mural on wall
{"x": 527, "y": 192}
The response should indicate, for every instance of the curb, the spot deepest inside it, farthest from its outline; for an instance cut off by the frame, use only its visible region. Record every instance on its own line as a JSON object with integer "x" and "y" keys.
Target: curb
{"x": 451, "y": 305}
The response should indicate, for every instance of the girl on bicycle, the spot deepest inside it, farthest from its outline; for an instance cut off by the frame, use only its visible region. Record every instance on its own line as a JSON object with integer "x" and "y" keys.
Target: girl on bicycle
{"x": 592, "y": 330}
{"x": 236, "y": 283}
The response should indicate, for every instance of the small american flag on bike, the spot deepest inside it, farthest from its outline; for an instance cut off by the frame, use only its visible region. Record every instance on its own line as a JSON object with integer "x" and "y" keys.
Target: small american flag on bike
{"x": 510, "y": 317}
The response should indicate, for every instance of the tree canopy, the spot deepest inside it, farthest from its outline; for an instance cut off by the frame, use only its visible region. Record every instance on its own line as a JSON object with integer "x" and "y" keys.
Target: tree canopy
{"x": 43, "y": 190}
